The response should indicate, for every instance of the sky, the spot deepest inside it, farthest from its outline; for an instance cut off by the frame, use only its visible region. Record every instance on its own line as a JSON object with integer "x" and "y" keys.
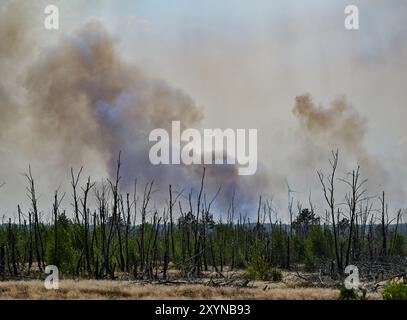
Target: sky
{"x": 244, "y": 63}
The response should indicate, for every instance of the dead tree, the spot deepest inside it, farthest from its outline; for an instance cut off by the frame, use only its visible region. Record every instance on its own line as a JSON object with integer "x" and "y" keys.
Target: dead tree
{"x": 55, "y": 210}
{"x": 30, "y": 243}
{"x": 74, "y": 184}
{"x": 365, "y": 212}
{"x": 197, "y": 255}
{"x": 383, "y": 224}
{"x": 328, "y": 186}
{"x": 128, "y": 225}
{"x": 171, "y": 224}
{"x": 151, "y": 246}
{"x": 393, "y": 241}
{"x": 118, "y": 223}
{"x": 166, "y": 231}
{"x": 114, "y": 186}
{"x": 116, "y": 213}
{"x": 85, "y": 218}
{"x": 39, "y": 248}
{"x": 11, "y": 237}
{"x": 141, "y": 241}
{"x": 94, "y": 244}
{"x": 103, "y": 210}
{"x": 352, "y": 199}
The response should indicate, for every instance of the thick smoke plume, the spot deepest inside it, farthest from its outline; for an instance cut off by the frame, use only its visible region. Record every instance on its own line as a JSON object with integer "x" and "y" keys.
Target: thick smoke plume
{"x": 78, "y": 102}
{"x": 82, "y": 104}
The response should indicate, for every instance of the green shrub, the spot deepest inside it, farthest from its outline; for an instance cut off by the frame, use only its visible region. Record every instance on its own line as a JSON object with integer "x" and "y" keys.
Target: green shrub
{"x": 395, "y": 291}
{"x": 347, "y": 294}
{"x": 352, "y": 294}
{"x": 240, "y": 262}
{"x": 276, "y": 275}
{"x": 263, "y": 272}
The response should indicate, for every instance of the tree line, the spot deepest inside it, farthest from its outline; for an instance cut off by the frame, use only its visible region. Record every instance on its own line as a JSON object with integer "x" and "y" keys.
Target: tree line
{"x": 122, "y": 236}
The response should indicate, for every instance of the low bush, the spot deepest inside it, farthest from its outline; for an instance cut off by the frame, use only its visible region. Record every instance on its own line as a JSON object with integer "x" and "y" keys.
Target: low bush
{"x": 352, "y": 294}
{"x": 265, "y": 273}
{"x": 395, "y": 291}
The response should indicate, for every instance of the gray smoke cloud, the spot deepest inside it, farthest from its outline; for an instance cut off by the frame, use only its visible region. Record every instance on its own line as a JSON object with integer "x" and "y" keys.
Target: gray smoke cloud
{"x": 77, "y": 101}
{"x": 83, "y": 104}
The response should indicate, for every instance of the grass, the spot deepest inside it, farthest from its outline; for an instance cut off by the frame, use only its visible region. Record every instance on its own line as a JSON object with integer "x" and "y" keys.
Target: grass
{"x": 108, "y": 289}
{"x": 290, "y": 287}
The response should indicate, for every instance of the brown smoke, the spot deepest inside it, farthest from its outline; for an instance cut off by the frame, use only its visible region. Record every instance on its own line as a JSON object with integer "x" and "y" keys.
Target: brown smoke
{"x": 338, "y": 126}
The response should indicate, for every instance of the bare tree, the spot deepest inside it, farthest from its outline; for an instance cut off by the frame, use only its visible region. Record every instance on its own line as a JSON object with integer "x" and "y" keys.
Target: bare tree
{"x": 197, "y": 255}
{"x": 55, "y": 210}
{"x": 356, "y": 194}
{"x": 384, "y": 224}
{"x": 39, "y": 248}
{"x": 328, "y": 186}
{"x": 85, "y": 217}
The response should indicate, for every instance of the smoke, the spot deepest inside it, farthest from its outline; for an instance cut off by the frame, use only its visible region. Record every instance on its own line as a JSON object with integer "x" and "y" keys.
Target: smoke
{"x": 83, "y": 97}
{"x": 14, "y": 43}
{"x": 340, "y": 123}
{"x": 79, "y": 102}
{"x": 82, "y": 104}
{"x": 339, "y": 126}
{"x": 15, "y": 31}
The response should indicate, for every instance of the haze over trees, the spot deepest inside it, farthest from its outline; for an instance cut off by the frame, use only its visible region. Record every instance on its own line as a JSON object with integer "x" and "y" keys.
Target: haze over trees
{"x": 125, "y": 236}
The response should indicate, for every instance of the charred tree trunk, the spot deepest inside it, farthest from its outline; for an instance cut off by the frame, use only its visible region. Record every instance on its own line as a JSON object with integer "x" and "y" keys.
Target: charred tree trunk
{"x": 383, "y": 226}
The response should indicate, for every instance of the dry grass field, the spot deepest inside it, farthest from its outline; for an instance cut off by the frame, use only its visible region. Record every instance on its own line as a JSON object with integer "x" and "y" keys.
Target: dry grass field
{"x": 107, "y": 289}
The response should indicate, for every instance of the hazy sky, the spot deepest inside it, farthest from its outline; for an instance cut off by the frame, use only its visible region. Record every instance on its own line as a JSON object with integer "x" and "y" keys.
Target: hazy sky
{"x": 244, "y": 63}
